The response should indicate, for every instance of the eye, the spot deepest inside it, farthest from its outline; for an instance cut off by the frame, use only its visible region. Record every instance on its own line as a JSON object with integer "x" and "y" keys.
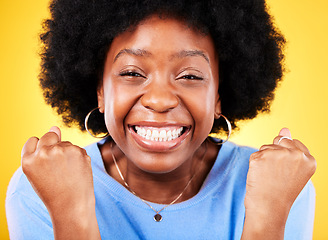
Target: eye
{"x": 131, "y": 74}
{"x": 191, "y": 77}
{"x": 190, "y": 74}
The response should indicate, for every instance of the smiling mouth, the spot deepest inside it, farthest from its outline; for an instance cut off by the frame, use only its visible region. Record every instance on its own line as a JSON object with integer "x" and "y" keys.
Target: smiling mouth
{"x": 159, "y": 138}
{"x": 159, "y": 134}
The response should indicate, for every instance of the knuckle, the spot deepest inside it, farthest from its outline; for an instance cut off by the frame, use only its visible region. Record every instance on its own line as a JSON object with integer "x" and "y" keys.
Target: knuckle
{"x": 51, "y": 151}
{"x": 299, "y": 153}
{"x": 56, "y": 150}
{"x": 296, "y": 156}
{"x": 84, "y": 151}
{"x": 27, "y": 165}
{"x": 252, "y": 156}
{"x": 43, "y": 152}
{"x": 314, "y": 167}
{"x": 313, "y": 164}
{"x": 263, "y": 147}
{"x": 65, "y": 144}
{"x": 255, "y": 156}
{"x": 74, "y": 150}
{"x": 286, "y": 153}
{"x": 88, "y": 158}
{"x": 276, "y": 139}
{"x": 32, "y": 139}
{"x": 265, "y": 153}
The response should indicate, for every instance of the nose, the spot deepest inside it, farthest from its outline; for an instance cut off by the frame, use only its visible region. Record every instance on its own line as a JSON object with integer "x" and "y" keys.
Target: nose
{"x": 159, "y": 98}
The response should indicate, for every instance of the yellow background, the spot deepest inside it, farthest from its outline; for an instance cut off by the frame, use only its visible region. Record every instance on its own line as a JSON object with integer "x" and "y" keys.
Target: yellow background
{"x": 301, "y": 100}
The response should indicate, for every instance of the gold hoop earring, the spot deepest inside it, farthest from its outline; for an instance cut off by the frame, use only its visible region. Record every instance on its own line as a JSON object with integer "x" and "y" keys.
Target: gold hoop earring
{"x": 229, "y": 128}
{"x": 86, "y": 124}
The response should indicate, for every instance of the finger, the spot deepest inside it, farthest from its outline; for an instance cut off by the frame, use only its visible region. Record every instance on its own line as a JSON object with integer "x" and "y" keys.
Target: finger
{"x": 56, "y": 130}
{"x": 301, "y": 146}
{"x": 283, "y": 141}
{"x": 50, "y": 138}
{"x": 285, "y": 132}
{"x": 284, "y": 138}
{"x": 30, "y": 146}
{"x": 269, "y": 146}
{"x": 66, "y": 143}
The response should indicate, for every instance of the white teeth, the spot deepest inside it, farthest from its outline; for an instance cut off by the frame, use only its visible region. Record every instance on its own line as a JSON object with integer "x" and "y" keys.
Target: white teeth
{"x": 148, "y": 133}
{"x": 162, "y": 134}
{"x": 143, "y": 132}
{"x": 155, "y": 134}
{"x": 174, "y": 133}
{"x": 169, "y": 134}
{"x": 158, "y": 135}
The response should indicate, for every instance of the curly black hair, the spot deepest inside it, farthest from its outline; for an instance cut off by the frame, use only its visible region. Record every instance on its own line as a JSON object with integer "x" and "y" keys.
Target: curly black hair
{"x": 76, "y": 39}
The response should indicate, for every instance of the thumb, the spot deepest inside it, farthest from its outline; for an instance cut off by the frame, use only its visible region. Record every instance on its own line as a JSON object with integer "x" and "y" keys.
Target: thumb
{"x": 57, "y": 131}
{"x": 285, "y": 133}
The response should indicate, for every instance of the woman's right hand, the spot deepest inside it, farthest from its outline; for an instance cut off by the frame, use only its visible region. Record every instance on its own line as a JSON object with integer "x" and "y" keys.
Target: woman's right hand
{"x": 277, "y": 174}
{"x": 61, "y": 174}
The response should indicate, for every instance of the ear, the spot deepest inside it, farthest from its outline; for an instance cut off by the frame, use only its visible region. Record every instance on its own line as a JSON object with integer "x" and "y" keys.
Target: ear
{"x": 101, "y": 100}
{"x": 217, "y": 110}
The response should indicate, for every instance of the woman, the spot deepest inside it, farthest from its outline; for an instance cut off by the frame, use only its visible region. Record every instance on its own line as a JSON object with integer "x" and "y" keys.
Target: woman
{"x": 164, "y": 75}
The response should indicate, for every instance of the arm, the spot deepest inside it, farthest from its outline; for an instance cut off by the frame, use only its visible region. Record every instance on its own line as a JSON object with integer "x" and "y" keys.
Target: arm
{"x": 60, "y": 173}
{"x": 300, "y": 220}
{"x": 277, "y": 174}
{"x": 27, "y": 217}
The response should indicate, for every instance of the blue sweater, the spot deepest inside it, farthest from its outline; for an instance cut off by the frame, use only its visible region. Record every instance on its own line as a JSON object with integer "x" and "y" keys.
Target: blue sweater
{"x": 216, "y": 212}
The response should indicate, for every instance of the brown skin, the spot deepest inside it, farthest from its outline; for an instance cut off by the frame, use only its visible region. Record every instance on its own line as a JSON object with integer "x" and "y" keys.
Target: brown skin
{"x": 61, "y": 175}
{"x": 277, "y": 174}
{"x": 159, "y": 90}
{"x": 161, "y": 94}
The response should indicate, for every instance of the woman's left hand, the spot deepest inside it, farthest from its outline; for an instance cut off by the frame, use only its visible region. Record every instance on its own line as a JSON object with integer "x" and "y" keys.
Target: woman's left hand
{"x": 277, "y": 174}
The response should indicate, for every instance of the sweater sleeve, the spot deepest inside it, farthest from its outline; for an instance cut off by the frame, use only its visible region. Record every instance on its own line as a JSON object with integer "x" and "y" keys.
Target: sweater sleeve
{"x": 300, "y": 220}
{"x": 299, "y": 225}
{"x": 27, "y": 217}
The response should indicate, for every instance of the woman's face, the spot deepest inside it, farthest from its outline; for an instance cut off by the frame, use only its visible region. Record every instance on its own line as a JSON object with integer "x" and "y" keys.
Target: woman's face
{"x": 160, "y": 93}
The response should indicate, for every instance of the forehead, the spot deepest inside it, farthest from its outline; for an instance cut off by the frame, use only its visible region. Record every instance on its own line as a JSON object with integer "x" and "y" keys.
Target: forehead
{"x": 163, "y": 36}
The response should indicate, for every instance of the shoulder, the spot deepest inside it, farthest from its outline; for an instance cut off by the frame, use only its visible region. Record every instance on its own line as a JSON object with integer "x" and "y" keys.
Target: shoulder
{"x": 19, "y": 185}
{"x": 27, "y": 216}
{"x": 94, "y": 153}
{"x": 235, "y": 155}
{"x": 236, "y": 149}
{"x": 300, "y": 220}
{"x": 93, "y": 149}
{"x": 230, "y": 168}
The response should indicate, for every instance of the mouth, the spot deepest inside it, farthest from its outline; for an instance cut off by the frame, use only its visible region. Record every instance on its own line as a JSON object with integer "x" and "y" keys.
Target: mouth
{"x": 159, "y": 134}
{"x": 159, "y": 138}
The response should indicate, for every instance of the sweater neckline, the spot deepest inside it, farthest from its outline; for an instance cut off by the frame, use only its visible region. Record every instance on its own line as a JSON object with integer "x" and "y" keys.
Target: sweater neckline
{"x": 213, "y": 180}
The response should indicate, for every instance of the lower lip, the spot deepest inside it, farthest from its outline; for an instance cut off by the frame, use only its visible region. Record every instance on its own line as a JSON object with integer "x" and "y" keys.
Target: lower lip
{"x": 158, "y": 146}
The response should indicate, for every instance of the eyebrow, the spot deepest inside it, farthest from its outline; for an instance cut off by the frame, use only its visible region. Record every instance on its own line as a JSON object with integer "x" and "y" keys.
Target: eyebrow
{"x": 181, "y": 54}
{"x": 191, "y": 53}
{"x": 135, "y": 52}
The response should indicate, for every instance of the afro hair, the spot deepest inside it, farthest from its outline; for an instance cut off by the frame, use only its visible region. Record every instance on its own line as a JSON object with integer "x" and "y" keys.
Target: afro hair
{"x": 76, "y": 39}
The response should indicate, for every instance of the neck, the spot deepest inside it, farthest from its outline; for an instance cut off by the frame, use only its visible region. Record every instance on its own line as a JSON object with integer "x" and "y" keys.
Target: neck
{"x": 162, "y": 187}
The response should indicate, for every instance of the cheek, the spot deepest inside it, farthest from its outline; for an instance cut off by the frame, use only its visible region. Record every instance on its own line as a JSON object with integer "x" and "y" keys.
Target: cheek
{"x": 118, "y": 102}
{"x": 202, "y": 108}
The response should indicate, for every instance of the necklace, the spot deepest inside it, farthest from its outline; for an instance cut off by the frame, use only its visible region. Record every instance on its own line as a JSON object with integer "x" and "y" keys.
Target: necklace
{"x": 157, "y": 217}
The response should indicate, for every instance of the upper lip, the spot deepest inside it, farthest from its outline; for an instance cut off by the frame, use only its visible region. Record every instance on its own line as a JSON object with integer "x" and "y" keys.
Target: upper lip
{"x": 158, "y": 124}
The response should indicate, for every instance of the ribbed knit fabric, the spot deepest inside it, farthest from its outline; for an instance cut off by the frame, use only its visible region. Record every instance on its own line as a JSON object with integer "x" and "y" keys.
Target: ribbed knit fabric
{"x": 216, "y": 212}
